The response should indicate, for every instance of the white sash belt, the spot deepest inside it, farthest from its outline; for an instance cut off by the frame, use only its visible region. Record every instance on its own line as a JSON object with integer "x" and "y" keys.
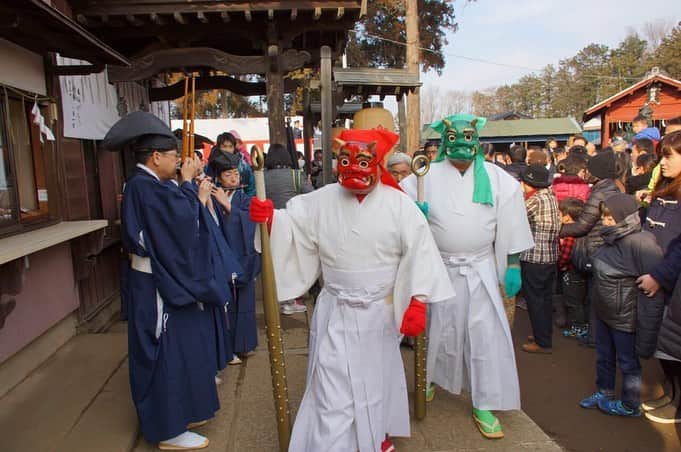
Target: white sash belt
{"x": 465, "y": 259}
{"x": 359, "y": 288}
{"x": 139, "y": 263}
{"x": 143, "y": 264}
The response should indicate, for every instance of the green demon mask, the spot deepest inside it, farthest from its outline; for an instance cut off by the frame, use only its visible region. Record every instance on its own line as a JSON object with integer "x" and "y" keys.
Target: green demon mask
{"x": 461, "y": 141}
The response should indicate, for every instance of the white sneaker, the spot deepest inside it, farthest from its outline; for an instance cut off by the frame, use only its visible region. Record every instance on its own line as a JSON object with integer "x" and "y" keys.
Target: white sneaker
{"x": 184, "y": 441}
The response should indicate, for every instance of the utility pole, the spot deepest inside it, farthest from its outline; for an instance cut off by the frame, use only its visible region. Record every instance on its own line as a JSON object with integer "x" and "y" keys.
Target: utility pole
{"x": 413, "y": 59}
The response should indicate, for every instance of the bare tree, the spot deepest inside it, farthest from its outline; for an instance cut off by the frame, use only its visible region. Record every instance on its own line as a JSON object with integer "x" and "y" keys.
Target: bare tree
{"x": 429, "y": 104}
{"x": 655, "y": 31}
{"x": 436, "y": 104}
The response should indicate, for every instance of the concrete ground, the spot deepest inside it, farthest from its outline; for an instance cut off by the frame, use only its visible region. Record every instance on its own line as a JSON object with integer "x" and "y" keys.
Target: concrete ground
{"x": 79, "y": 401}
{"x": 552, "y": 385}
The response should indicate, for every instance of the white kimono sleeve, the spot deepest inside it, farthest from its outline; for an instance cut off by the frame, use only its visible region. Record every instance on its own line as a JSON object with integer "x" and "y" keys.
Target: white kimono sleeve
{"x": 421, "y": 271}
{"x": 513, "y": 234}
{"x": 293, "y": 241}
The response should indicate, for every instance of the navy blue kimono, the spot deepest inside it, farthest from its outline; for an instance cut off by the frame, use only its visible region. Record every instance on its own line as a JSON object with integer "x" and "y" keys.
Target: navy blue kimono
{"x": 172, "y": 373}
{"x": 239, "y": 231}
{"x": 229, "y": 272}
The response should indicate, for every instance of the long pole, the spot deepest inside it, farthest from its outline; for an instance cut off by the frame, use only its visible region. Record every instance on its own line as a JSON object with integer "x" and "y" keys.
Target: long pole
{"x": 275, "y": 344}
{"x": 191, "y": 126}
{"x": 420, "y": 166}
{"x": 184, "y": 120}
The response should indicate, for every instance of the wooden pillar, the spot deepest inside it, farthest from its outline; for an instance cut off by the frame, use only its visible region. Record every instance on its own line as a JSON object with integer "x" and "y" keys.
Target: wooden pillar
{"x": 308, "y": 130}
{"x": 605, "y": 130}
{"x": 402, "y": 120}
{"x": 413, "y": 59}
{"x": 275, "y": 96}
{"x": 327, "y": 113}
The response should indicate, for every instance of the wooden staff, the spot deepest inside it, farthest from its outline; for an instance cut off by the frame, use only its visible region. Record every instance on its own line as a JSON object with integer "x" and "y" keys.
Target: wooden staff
{"x": 184, "y": 120}
{"x": 193, "y": 117}
{"x": 275, "y": 344}
{"x": 420, "y": 166}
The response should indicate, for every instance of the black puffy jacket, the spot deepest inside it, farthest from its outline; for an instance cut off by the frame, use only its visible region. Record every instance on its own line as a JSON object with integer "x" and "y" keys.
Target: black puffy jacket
{"x": 589, "y": 222}
{"x": 669, "y": 340}
{"x": 626, "y": 254}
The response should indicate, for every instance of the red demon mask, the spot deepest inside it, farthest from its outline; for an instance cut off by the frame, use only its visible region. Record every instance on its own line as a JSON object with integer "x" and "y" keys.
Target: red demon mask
{"x": 361, "y": 155}
{"x": 357, "y": 166}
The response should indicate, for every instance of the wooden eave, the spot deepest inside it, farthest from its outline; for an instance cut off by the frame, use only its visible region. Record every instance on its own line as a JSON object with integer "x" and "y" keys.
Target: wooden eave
{"x": 37, "y": 26}
{"x": 597, "y": 109}
{"x": 373, "y": 81}
{"x": 236, "y": 27}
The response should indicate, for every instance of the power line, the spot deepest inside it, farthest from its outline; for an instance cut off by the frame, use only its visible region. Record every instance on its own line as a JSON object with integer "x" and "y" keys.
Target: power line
{"x": 480, "y": 60}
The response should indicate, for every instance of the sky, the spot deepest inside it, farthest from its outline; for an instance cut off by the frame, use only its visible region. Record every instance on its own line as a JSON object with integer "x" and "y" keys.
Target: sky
{"x": 534, "y": 33}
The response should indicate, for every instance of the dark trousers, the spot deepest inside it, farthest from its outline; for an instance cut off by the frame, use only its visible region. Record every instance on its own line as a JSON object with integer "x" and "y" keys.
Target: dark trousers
{"x": 573, "y": 284}
{"x": 617, "y": 348}
{"x": 538, "y": 288}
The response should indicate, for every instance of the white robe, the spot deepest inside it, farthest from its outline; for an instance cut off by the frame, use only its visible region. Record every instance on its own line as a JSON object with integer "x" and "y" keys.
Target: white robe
{"x": 374, "y": 256}
{"x": 470, "y": 344}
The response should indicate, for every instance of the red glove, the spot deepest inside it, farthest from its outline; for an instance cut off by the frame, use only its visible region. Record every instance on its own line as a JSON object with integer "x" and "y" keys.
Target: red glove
{"x": 414, "y": 320}
{"x": 261, "y": 211}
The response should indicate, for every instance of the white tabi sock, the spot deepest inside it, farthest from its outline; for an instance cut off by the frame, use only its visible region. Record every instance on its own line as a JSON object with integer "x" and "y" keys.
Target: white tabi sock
{"x": 186, "y": 440}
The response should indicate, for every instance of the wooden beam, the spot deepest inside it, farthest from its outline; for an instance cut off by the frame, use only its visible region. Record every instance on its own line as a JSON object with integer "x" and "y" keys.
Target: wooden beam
{"x": 202, "y": 17}
{"x": 123, "y": 7}
{"x": 153, "y": 63}
{"x": 80, "y": 69}
{"x": 224, "y": 15}
{"x": 222, "y": 82}
{"x": 178, "y": 18}
{"x": 317, "y": 13}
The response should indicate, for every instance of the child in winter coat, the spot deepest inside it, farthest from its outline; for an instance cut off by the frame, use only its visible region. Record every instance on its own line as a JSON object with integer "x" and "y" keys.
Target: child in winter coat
{"x": 572, "y": 280}
{"x": 570, "y": 183}
{"x": 627, "y": 320}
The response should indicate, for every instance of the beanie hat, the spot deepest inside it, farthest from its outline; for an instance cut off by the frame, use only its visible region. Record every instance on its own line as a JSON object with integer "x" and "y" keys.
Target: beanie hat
{"x": 536, "y": 176}
{"x": 621, "y": 206}
{"x": 603, "y": 165}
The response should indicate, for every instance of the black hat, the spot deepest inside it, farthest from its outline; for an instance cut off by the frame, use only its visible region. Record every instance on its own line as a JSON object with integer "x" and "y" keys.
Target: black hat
{"x": 140, "y": 132}
{"x": 603, "y": 165}
{"x": 536, "y": 176}
{"x": 621, "y": 206}
{"x": 223, "y": 161}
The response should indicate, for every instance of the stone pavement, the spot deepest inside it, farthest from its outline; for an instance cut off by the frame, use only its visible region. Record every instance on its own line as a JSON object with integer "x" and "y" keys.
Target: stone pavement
{"x": 79, "y": 401}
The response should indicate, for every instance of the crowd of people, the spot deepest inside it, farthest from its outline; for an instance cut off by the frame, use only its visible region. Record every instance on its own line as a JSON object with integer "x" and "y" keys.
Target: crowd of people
{"x": 606, "y": 225}
{"x": 600, "y": 227}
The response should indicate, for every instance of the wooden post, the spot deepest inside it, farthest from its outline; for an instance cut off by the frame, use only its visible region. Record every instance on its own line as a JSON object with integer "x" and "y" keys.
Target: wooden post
{"x": 327, "y": 113}
{"x": 275, "y": 97}
{"x": 402, "y": 120}
{"x": 413, "y": 59}
{"x": 308, "y": 130}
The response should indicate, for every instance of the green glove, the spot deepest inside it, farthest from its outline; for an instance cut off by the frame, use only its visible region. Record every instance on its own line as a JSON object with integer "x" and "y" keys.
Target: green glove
{"x": 512, "y": 281}
{"x": 424, "y": 207}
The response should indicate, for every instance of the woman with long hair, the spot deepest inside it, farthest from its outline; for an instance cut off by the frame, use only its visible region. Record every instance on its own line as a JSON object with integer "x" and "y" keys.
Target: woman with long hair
{"x": 664, "y": 221}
